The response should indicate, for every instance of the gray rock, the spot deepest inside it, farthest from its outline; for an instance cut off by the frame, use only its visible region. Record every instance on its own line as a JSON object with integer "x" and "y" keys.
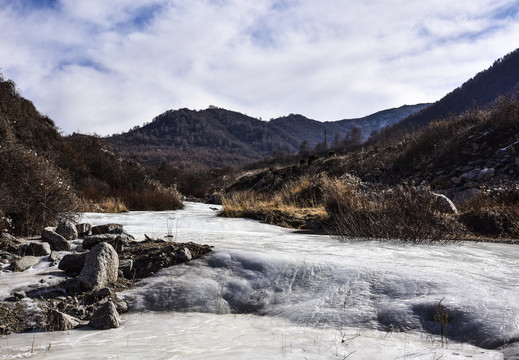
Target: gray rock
{"x": 183, "y": 255}
{"x": 101, "y": 267}
{"x": 101, "y": 293}
{"x": 67, "y": 229}
{"x": 465, "y": 196}
{"x": 56, "y": 241}
{"x": 107, "y": 228}
{"x": 20, "y": 295}
{"x": 120, "y": 305}
{"x": 35, "y": 249}
{"x": 470, "y": 175}
{"x": 486, "y": 174}
{"x": 84, "y": 229}
{"x": 24, "y": 263}
{"x": 92, "y": 240}
{"x": 456, "y": 180}
{"x": 54, "y": 256}
{"x": 58, "y": 321}
{"x": 73, "y": 263}
{"x": 106, "y": 317}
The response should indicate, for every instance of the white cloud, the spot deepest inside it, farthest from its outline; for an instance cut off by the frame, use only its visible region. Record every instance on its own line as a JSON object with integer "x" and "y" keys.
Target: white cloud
{"x": 98, "y": 66}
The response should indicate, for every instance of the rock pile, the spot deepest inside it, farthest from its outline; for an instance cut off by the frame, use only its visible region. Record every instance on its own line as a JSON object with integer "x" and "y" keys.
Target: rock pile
{"x": 103, "y": 261}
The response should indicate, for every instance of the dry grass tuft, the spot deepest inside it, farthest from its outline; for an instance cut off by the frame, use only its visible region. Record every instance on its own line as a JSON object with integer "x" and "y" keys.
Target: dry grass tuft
{"x": 106, "y": 205}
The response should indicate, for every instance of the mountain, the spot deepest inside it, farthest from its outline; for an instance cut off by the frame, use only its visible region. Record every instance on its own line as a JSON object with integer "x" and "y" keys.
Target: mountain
{"x": 217, "y": 137}
{"x": 481, "y": 91}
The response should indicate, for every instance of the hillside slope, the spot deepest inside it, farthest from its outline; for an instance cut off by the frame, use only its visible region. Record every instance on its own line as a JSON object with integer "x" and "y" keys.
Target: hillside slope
{"x": 45, "y": 174}
{"x": 502, "y": 78}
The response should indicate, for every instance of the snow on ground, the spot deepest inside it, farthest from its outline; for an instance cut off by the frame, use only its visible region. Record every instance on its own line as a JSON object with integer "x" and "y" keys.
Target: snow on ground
{"x": 266, "y": 293}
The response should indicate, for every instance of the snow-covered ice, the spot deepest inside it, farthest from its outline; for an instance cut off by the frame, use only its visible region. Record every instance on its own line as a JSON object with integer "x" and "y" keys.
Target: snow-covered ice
{"x": 266, "y": 292}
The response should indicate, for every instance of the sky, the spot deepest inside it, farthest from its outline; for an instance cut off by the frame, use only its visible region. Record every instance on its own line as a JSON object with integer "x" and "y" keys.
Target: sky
{"x": 103, "y": 67}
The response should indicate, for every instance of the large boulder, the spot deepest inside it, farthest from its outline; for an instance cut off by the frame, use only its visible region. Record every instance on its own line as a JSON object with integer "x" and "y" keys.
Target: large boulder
{"x": 90, "y": 241}
{"x": 101, "y": 267}
{"x": 73, "y": 263}
{"x": 24, "y": 263}
{"x": 118, "y": 241}
{"x": 107, "y": 228}
{"x": 56, "y": 241}
{"x": 106, "y": 317}
{"x": 58, "y": 321}
{"x": 35, "y": 249}
{"x": 67, "y": 229}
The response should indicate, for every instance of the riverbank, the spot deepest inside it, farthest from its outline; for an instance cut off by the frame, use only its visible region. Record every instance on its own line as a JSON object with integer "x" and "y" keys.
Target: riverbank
{"x": 71, "y": 286}
{"x": 348, "y": 207}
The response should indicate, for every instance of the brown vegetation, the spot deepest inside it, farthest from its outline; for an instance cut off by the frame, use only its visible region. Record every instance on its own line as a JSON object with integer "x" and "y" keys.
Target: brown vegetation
{"x": 45, "y": 174}
{"x": 350, "y": 208}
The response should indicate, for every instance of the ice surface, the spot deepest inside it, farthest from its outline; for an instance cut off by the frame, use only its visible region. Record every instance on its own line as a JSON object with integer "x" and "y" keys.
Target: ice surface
{"x": 266, "y": 292}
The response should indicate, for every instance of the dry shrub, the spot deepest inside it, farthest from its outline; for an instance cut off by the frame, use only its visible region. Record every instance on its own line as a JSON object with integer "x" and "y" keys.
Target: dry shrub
{"x": 33, "y": 192}
{"x": 154, "y": 198}
{"x": 305, "y": 192}
{"x": 493, "y": 213}
{"x": 404, "y": 213}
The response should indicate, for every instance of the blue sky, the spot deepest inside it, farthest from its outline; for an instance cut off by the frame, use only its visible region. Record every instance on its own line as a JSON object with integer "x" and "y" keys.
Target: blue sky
{"x": 106, "y": 66}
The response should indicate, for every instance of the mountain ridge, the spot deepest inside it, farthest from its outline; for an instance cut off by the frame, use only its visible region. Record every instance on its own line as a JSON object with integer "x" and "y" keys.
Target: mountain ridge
{"x": 216, "y": 137}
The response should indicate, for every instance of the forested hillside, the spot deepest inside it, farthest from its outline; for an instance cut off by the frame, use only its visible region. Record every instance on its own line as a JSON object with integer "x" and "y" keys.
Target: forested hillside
{"x": 217, "y": 137}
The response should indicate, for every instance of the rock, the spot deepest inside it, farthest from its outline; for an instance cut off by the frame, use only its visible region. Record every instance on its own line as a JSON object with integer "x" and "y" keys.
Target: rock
{"x": 24, "y": 263}
{"x": 456, "y": 180}
{"x": 19, "y": 295}
{"x": 56, "y": 241}
{"x": 107, "y": 228}
{"x": 92, "y": 240}
{"x": 465, "y": 196}
{"x": 106, "y": 317}
{"x": 101, "y": 293}
{"x": 101, "y": 267}
{"x": 7, "y": 256}
{"x": 183, "y": 255}
{"x": 486, "y": 174}
{"x": 58, "y": 321}
{"x": 444, "y": 204}
{"x": 73, "y": 263}
{"x": 517, "y": 161}
{"x": 67, "y": 229}
{"x": 53, "y": 257}
{"x": 84, "y": 229}
{"x": 117, "y": 241}
{"x": 120, "y": 305}
{"x": 35, "y": 249}
{"x": 470, "y": 175}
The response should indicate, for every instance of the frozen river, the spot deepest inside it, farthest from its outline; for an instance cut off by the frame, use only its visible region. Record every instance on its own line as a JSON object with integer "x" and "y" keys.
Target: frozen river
{"x": 268, "y": 293}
